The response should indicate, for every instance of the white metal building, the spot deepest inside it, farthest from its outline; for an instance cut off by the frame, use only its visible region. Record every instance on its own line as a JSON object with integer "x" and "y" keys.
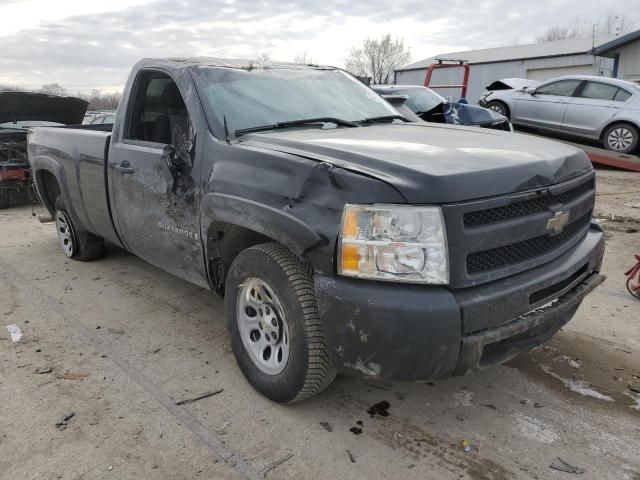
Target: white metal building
{"x": 538, "y": 61}
{"x": 625, "y": 52}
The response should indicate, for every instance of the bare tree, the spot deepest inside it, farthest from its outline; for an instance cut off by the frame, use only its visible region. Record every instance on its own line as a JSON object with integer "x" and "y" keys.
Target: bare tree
{"x": 102, "y": 101}
{"x": 301, "y": 57}
{"x": 54, "y": 89}
{"x": 377, "y": 58}
{"x": 611, "y": 23}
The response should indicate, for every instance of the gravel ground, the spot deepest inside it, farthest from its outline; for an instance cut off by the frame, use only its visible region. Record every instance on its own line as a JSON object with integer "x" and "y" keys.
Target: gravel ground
{"x": 118, "y": 342}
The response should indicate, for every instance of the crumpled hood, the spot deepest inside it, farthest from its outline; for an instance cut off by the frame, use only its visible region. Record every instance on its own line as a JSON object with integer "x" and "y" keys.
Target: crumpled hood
{"x": 511, "y": 84}
{"x": 25, "y": 106}
{"x": 431, "y": 163}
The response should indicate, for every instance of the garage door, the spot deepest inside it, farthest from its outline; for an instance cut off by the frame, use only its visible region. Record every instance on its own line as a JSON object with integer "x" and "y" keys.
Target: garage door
{"x": 542, "y": 74}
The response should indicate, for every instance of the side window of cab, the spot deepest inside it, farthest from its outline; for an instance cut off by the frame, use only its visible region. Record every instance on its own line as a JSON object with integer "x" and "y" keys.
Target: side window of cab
{"x": 159, "y": 114}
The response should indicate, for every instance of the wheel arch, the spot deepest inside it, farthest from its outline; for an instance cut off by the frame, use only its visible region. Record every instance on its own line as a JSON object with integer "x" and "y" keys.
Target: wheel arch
{"x": 232, "y": 224}
{"x": 504, "y": 103}
{"x": 48, "y": 189}
{"x": 50, "y": 182}
{"x": 618, "y": 121}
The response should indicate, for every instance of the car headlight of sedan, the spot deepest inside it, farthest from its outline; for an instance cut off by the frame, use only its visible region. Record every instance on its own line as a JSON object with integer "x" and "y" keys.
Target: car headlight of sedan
{"x": 397, "y": 243}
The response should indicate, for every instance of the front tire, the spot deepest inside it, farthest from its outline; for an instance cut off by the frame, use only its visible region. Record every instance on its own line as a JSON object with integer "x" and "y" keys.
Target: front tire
{"x": 621, "y": 138}
{"x": 499, "y": 107}
{"x": 75, "y": 241}
{"x": 276, "y": 333}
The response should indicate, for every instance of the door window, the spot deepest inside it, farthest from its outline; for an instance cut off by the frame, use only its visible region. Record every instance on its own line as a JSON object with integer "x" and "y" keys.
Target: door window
{"x": 158, "y": 112}
{"x": 562, "y": 88}
{"x": 599, "y": 91}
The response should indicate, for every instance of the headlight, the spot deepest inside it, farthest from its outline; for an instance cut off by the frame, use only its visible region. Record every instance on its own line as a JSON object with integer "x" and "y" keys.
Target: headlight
{"x": 394, "y": 243}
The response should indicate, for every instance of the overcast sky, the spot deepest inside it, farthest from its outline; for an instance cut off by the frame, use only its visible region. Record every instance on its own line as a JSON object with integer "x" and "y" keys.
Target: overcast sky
{"x": 85, "y": 44}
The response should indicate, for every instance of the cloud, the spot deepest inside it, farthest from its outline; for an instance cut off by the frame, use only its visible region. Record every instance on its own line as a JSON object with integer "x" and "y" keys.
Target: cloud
{"x": 98, "y": 49}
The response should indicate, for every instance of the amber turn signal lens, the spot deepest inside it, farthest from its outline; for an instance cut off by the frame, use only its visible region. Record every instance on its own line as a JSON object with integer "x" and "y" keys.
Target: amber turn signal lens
{"x": 350, "y": 224}
{"x": 350, "y": 258}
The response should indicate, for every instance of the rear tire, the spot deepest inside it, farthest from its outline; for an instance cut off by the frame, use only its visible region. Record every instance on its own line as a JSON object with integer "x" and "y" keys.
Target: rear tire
{"x": 276, "y": 333}
{"x": 75, "y": 241}
{"x": 4, "y": 198}
{"x": 621, "y": 138}
{"x": 499, "y": 107}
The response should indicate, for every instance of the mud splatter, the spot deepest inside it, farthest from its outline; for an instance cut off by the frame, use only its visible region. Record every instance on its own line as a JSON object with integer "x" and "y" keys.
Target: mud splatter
{"x": 381, "y": 409}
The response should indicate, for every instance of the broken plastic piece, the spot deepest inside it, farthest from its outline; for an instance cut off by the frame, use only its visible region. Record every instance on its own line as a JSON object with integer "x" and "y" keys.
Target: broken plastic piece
{"x": 63, "y": 422}
{"x": 559, "y": 464}
{"x": 15, "y": 332}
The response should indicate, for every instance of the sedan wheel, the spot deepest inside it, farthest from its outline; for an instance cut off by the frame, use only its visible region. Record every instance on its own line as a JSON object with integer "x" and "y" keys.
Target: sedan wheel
{"x": 498, "y": 107}
{"x": 621, "y": 138}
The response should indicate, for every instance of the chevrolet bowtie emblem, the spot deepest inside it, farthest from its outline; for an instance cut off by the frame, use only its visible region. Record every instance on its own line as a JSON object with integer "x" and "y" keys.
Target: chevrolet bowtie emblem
{"x": 556, "y": 224}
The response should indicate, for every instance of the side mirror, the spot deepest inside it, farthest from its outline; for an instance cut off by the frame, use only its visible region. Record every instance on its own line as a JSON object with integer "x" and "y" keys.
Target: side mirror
{"x": 530, "y": 90}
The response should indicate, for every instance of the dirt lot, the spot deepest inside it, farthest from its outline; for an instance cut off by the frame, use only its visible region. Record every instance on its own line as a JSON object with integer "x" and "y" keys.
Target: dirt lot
{"x": 118, "y": 342}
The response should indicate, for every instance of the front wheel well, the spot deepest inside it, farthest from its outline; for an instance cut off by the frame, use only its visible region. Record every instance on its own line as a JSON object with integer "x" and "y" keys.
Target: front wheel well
{"x": 225, "y": 241}
{"x": 504, "y": 105}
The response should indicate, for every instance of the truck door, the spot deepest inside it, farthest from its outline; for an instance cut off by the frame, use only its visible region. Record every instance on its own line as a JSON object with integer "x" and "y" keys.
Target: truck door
{"x": 547, "y": 106}
{"x": 154, "y": 176}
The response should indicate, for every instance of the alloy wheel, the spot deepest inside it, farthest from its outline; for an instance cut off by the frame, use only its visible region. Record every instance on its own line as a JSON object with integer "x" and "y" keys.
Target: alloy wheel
{"x": 620, "y": 138}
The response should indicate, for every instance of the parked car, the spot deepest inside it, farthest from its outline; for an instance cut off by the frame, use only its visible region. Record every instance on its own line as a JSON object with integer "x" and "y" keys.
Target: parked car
{"x": 602, "y": 109}
{"x": 429, "y": 106}
{"x": 343, "y": 237}
{"x": 20, "y": 111}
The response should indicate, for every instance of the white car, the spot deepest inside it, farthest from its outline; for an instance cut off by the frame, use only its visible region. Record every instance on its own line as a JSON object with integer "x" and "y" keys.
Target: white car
{"x": 598, "y": 108}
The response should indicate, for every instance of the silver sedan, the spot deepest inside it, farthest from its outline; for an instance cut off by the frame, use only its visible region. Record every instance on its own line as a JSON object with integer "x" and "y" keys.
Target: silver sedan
{"x": 602, "y": 109}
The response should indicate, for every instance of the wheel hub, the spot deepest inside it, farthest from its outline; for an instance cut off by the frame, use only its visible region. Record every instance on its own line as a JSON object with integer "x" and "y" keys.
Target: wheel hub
{"x": 262, "y": 325}
{"x": 620, "y": 138}
{"x": 65, "y": 233}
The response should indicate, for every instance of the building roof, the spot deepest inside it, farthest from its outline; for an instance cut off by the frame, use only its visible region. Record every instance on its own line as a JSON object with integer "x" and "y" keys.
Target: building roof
{"x": 571, "y": 46}
{"x": 618, "y": 42}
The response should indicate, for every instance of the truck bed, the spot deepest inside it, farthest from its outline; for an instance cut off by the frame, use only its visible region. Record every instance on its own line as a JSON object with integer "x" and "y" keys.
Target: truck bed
{"x": 80, "y": 152}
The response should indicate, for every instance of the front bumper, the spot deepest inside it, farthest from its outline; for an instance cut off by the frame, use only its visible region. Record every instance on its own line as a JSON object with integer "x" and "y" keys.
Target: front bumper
{"x": 413, "y": 332}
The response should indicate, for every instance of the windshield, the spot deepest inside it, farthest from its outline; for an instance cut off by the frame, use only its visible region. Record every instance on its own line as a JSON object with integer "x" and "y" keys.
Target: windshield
{"x": 420, "y": 99}
{"x": 266, "y": 96}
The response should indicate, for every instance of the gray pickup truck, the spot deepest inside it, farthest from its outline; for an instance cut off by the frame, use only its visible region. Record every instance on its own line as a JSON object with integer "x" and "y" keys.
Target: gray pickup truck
{"x": 343, "y": 237}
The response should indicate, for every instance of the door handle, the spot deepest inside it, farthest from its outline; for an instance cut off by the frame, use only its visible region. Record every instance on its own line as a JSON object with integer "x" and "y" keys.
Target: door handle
{"x": 124, "y": 167}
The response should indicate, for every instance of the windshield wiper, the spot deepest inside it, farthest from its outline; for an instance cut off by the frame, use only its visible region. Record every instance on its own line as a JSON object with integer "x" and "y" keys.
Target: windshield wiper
{"x": 383, "y": 119}
{"x": 293, "y": 123}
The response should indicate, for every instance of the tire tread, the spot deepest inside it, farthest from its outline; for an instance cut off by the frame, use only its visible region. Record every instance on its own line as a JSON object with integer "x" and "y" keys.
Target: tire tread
{"x": 320, "y": 370}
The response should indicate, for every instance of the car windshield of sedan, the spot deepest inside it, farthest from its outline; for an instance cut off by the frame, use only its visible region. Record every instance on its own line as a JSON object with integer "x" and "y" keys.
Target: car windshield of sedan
{"x": 250, "y": 98}
{"x": 420, "y": 100}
